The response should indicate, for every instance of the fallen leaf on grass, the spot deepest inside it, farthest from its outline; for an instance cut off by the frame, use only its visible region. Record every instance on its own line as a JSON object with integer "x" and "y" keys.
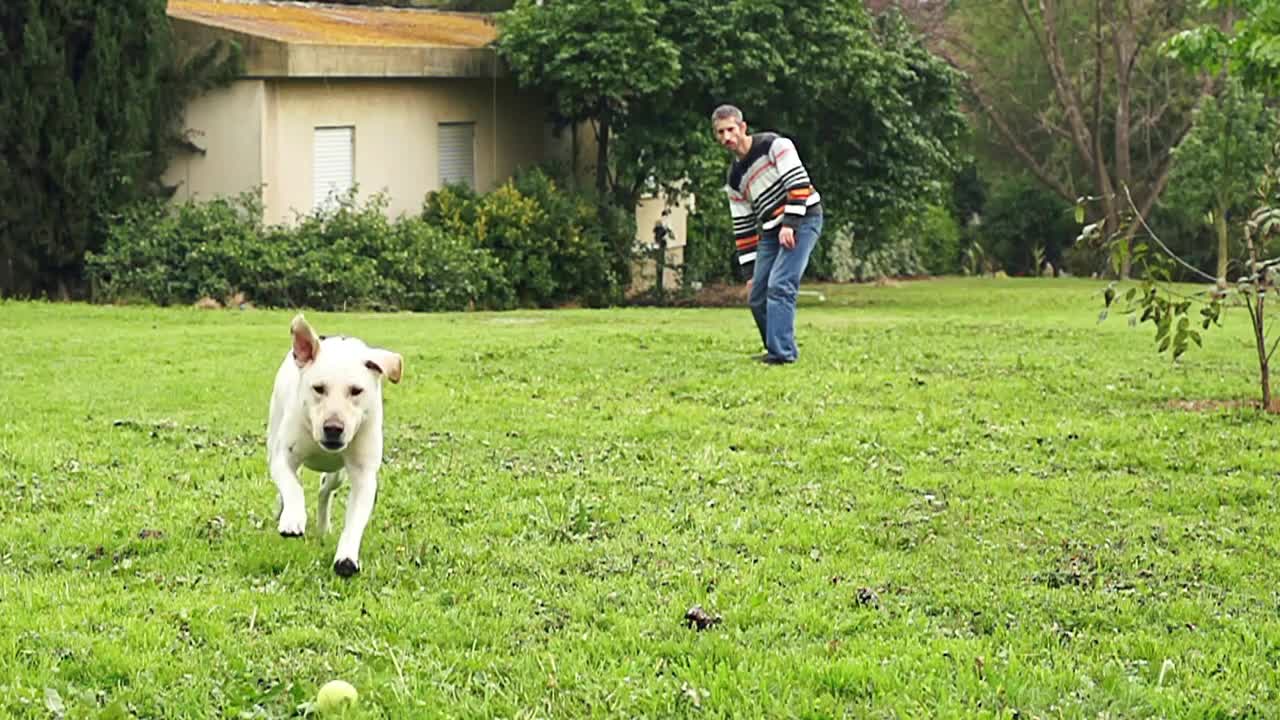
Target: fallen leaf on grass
{"x": 53, "y": 702}
{"x": 698, "y": 618}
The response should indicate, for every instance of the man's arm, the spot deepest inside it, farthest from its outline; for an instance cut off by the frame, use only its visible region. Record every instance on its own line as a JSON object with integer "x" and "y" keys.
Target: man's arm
{"x": 745, "y": 234}
{"x": 798, "y": 186}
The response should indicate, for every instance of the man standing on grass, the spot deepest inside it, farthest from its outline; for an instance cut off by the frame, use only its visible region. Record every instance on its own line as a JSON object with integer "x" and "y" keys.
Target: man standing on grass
{"x": 777, "y": 218}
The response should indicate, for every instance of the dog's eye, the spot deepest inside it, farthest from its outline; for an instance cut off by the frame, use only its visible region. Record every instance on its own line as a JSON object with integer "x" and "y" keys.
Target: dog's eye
{"x": 356, "y": 390}
{"x": 318, "y": 388}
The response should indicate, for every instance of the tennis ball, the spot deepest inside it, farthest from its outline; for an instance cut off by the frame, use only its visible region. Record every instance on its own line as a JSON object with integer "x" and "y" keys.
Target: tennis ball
{"x": 335, "y": 695}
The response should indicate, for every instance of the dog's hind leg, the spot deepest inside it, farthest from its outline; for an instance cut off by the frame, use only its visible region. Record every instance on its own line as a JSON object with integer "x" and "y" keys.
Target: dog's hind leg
{"x": 328, "y": 483}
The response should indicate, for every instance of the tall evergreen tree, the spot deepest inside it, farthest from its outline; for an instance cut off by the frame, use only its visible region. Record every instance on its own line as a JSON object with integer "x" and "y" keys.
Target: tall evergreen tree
{"x": 91, "y": 98}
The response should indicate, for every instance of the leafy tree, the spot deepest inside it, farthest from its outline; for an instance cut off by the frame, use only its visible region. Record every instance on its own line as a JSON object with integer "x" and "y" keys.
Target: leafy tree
{"x": 1219, "y": 163}
{"x": 91, "y": 97}
{"x": 1245, "y": 48}
{"x": 1077, "y": 93}
{"x": 595, "y": 58}
{"x": 968, "y": 193}
{"x": 874, "y": 114}
{"x": 1245, "y": 43}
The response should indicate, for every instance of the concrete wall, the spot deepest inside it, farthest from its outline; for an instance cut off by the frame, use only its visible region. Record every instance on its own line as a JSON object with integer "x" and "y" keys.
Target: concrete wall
{"x": 227, "y": 124}
{"x": 396, "y": 148}
{"x": 649, "y": 211}
{"x": 260, "y": 132}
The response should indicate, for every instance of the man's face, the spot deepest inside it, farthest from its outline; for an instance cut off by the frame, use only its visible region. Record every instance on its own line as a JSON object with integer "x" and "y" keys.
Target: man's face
{"x": 730, "y": 133}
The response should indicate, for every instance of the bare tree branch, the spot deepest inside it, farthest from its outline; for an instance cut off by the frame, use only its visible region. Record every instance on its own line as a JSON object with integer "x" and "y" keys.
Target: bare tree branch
{"x": 972, "y": 63}
{"x": 1063, "y": 88}
{"x": 1033, "y": 164}
{"x": 1165, "y": 167}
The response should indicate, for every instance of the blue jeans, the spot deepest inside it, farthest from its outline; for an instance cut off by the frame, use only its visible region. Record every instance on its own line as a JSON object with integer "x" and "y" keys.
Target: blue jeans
{"x": 775, "y": 284}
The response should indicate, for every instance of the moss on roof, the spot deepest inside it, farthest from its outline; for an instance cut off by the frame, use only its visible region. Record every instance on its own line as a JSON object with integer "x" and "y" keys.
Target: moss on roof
{"x": 314, "y": 23}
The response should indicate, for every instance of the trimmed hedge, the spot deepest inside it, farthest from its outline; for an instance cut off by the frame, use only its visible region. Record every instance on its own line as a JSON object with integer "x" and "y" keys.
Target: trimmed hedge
{"x": 525, "y": 244}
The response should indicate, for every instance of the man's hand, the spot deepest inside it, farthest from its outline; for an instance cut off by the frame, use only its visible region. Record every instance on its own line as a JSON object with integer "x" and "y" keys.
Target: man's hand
{"x": 787, "y": 237}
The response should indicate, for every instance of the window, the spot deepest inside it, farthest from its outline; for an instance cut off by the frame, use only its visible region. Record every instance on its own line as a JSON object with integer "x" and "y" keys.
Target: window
{"x": 333, "y": 164}
{"x": 458, "y": 153}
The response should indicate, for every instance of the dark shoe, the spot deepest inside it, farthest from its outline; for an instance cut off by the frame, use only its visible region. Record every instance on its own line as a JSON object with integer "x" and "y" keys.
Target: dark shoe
{"x": 775, "y": 360}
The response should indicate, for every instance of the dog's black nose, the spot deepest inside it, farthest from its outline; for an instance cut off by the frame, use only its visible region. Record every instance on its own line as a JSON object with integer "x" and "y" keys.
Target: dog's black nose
{"x": 332, "y": 433}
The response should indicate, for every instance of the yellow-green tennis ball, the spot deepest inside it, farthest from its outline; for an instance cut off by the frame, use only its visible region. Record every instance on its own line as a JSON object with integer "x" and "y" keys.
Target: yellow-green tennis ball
{"x": 335, "y": 695}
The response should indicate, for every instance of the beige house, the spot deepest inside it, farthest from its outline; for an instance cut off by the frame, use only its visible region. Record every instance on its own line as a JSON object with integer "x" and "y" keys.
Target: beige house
{"x": 388, "y": 100}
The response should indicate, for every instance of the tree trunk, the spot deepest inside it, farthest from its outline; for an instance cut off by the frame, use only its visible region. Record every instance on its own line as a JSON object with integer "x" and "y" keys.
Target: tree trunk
{"x": 1220, "y": 225}
{"x": 1260, "y": 339}
{"x": 573, "y": 153}
{"x": 1125, "y": 44}
{"x": 8, "y": 285}
{"x": 602, "y": 151}
{"x": 1259, "y": 325}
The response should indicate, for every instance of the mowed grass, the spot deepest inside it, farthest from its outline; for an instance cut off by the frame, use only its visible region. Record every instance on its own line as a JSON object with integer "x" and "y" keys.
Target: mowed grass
{"x": 968, "y": 499}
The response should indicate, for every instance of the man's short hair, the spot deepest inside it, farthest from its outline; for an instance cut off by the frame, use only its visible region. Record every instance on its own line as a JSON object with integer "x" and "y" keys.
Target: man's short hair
{"x": 726, "y": 112}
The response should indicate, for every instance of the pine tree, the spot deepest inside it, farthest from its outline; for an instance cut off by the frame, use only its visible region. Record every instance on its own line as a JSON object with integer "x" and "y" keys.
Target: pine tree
{"x": 91, "y": 98}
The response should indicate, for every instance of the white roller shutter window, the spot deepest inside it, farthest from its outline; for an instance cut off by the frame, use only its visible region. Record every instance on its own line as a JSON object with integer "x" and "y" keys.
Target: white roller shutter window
{"x": 458, "y": 153}
{"x": 334, "y": 163}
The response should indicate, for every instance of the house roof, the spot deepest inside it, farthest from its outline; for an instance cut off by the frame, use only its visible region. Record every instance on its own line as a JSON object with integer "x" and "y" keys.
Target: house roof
{"x": 343, "y": 25}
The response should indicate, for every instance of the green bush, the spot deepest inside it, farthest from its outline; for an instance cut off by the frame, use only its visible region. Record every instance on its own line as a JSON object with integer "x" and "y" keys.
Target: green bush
{"x": 554, "y": 246}
{"x": 937, "y": 241}
{"x": 1021, "y": 216}
{"x": 526, "y": 243}
{"x": 332, "y": 259}
{"x": 348, "y": 256}
{"x": 444, "y": 271}
{"x": 896, "y": 257}
{"x": 928, "y": 244}
{"x": 176, "y": 254}
{"x": 924, "y": 244}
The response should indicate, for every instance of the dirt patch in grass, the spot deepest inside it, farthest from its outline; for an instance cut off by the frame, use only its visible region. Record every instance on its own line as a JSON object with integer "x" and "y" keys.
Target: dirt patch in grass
{"x": 730, "y": 295}
{"x": 733, "y": 295}
{"x": 1211, "y": 405}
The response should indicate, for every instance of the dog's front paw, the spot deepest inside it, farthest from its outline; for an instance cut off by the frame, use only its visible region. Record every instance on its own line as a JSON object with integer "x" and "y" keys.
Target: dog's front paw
{"x": 293, "y": 523}
{"x": 346, "y": 567}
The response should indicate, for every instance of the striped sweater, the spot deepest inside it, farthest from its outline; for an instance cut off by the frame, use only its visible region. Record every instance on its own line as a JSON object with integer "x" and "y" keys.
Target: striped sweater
{"x": 767, "y": 188}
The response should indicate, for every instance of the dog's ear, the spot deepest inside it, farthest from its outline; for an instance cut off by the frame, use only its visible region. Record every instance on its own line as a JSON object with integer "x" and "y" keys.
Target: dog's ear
{"x": 306, "y": 345}
{"x": 386, "y": 363}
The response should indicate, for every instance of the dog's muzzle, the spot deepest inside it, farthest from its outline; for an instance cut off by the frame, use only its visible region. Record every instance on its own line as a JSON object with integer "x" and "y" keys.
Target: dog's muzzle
{"x": 332, "y": 439}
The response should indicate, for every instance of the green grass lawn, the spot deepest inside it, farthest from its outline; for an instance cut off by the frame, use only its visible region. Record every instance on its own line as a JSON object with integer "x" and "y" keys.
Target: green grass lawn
{"x": 967, "y": 499}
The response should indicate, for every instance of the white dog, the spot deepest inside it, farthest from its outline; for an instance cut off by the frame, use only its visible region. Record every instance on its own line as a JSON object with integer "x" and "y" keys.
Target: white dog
{"x": 326, "y": 414}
